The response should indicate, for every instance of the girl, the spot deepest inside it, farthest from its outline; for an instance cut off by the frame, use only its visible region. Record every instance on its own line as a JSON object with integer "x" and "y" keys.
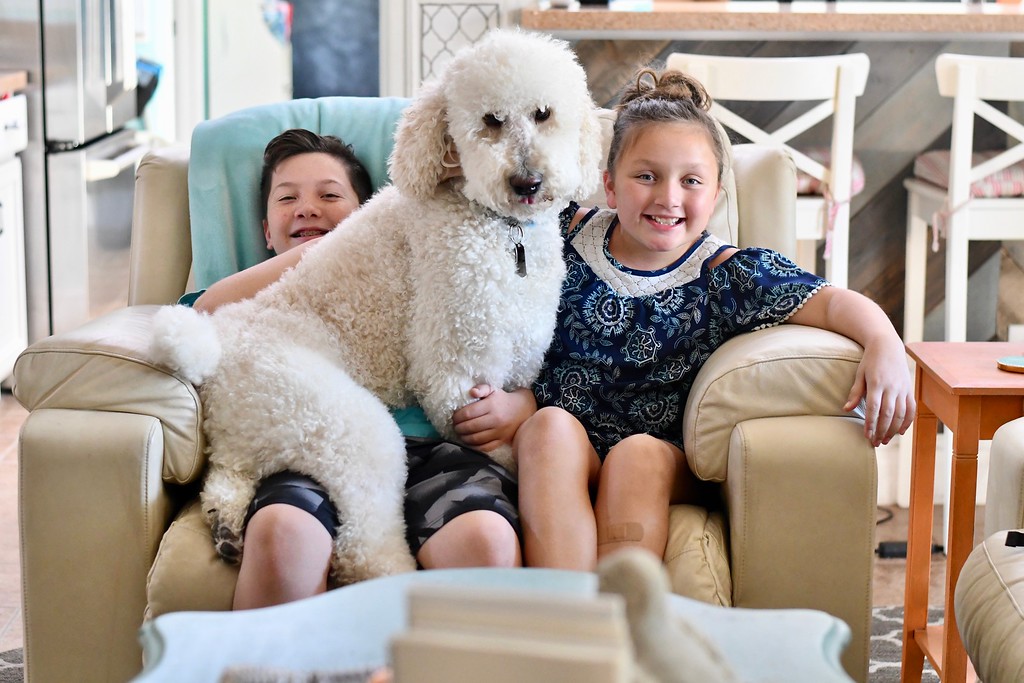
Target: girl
{"x": 648, "y": 297}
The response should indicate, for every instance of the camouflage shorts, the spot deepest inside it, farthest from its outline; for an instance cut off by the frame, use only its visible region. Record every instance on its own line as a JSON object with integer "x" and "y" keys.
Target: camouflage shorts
{"x": 447, "y": 480}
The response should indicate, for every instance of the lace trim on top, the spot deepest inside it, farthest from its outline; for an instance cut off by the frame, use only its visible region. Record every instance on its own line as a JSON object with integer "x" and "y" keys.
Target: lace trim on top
{"x": 591, "y": 241}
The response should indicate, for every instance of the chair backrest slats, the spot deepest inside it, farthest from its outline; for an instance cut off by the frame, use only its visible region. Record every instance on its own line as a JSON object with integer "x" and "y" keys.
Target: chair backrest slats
{"x": 972, "y": 81}
{"x": 995, "y": 78}
{"x": 834, "y": 82}
{"x": 773, "y": 79}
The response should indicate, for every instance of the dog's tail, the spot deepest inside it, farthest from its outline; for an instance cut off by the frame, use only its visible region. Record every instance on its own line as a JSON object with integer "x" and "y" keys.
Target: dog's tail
{"x": 186, "y": 341}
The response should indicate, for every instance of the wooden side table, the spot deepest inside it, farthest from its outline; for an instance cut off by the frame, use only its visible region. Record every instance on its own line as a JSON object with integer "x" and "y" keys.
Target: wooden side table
{"x": 959, "y": 384}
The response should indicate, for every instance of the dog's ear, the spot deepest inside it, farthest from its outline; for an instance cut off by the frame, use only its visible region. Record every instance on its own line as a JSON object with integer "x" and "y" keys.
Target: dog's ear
{"x": 415, "y": 165}
{"x": 591, "y": 148}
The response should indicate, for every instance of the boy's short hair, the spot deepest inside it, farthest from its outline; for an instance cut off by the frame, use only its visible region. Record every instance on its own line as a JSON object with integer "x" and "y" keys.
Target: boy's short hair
{"x": 301, "y": 141}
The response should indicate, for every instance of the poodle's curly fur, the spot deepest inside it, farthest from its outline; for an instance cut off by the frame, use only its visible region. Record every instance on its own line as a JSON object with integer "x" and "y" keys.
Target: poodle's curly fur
{"x": 416, "y": 297}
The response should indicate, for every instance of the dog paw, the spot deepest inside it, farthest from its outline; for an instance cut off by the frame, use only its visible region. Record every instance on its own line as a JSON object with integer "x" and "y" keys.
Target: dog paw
{"x": 227, "y": 544}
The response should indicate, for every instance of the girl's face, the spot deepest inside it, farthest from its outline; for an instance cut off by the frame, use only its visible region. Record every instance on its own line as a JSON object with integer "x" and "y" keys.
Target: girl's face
{"x": 664, "y": 190}
{"x": 309, "y": 195}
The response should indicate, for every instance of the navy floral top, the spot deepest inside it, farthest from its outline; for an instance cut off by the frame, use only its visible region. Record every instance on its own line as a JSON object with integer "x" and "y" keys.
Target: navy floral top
{"x": 629, "y": 343}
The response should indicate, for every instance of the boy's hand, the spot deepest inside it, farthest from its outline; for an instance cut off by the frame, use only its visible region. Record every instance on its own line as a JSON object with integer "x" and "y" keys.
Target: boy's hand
{"x": 493, "y": 419}
{"x": 883, "y": 380}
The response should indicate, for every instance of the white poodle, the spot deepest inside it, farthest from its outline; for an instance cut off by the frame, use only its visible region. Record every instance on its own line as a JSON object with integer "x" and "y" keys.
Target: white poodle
{"x": 430, "y": 288}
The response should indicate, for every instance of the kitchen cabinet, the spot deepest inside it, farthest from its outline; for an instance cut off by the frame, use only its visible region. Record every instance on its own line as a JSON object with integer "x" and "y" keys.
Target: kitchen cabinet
{"x": 13, "y": 320}
{"x": 13, "y": 302}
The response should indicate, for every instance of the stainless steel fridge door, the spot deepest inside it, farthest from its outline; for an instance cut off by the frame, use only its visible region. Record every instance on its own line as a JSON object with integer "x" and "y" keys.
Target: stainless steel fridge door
{"x": 90, "y": 194}
{"x": 90, "y": 75}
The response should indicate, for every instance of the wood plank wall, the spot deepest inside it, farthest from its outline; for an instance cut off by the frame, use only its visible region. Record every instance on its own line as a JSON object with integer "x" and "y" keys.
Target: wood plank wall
{"x": 900, "y": 115}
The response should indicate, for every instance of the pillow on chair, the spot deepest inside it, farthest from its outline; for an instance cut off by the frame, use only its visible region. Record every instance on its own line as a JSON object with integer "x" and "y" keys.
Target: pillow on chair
{"x": 807, "y": 184}
{"x": 226, "y": 158}
{"x": 933, "y": 167}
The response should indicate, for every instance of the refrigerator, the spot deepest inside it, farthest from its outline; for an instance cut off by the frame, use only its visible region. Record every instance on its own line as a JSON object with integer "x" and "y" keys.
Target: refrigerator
{"x": 79, "y": 166}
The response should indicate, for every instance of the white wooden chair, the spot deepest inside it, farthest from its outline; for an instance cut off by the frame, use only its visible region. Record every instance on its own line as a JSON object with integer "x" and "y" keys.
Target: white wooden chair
{"x": 836, "y": 81}
{"x": 967, "y": 195}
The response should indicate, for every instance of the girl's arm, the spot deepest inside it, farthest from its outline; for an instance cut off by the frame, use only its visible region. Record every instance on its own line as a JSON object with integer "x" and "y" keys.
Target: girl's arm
{"x": 245, "y": 284}
{"x": 494, "y": 418}
{"x": 883, "y": 378}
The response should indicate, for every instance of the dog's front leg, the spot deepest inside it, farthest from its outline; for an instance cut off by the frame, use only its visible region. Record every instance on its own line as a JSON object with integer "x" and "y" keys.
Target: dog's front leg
{"x": 225, "y": 500}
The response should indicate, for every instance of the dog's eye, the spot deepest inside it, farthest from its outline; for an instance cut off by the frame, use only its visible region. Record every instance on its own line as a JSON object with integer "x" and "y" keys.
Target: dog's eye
{"x": 492, "y": 121}
{"x": 542, "y": 114}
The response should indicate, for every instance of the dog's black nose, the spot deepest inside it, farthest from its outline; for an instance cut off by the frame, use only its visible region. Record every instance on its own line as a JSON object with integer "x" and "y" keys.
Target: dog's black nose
{"x": 525, "y": 186}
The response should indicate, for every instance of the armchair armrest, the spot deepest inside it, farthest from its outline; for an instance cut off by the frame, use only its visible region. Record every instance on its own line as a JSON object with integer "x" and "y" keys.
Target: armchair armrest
{"x": 105, "y": 366}
{"x": 788, "y": 370}
{"x": 109, "y": 435}
{"x": 765, "y": 416}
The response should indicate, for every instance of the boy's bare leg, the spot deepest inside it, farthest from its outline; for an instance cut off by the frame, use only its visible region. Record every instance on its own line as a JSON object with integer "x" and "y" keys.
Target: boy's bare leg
{"x": 480, "y": 538}
{"x": 557, "y": 465}
{"x": 286, "y": 557}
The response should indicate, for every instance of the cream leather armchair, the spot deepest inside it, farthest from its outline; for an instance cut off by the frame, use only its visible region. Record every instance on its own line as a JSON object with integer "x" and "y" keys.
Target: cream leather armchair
{"x": 112, "y": 455}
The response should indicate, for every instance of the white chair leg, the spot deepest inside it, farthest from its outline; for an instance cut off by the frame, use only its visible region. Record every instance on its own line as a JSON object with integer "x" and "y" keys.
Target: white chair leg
{"x": 837, "y": 267}
{"x": 915, "y": 272}
{"x": 956, "y": 279}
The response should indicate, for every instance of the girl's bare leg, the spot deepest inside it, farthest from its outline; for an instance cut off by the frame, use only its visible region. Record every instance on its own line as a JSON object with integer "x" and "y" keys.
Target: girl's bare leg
{"x": 557, "y": 466}
{"x": 641, "y": 476}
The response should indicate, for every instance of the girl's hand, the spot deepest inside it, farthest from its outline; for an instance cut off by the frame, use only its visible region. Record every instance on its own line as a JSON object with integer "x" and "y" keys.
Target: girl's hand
{"x": 493, "y": 419}
{"x": 883, "y": 380}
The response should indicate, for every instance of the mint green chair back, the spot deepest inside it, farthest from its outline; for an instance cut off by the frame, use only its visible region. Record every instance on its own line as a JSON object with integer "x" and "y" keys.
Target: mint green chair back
{"x": 227, "y": 156}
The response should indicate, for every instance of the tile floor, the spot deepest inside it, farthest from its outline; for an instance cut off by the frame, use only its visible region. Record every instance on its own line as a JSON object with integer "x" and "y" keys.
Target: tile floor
{"x": 888, "y": 576}
{"x": 11, "y": 417}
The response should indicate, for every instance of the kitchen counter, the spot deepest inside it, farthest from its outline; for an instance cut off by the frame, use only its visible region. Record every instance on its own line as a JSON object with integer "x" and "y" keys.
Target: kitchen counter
{"x": 801, "y": 20}
{"x": 12, "y": 81}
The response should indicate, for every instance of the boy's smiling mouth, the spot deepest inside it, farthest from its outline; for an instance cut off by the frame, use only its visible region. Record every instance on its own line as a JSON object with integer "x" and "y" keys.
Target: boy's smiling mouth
{"x": 309, "y": 232}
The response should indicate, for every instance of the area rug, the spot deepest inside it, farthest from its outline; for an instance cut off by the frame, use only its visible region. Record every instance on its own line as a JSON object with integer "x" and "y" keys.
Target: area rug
{"x": 10, "y": 666}
{"x": 886, "y": 647}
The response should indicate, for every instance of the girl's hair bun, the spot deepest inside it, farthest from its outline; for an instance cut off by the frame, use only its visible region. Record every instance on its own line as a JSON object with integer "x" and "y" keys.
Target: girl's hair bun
{"x": 668, "y": 85}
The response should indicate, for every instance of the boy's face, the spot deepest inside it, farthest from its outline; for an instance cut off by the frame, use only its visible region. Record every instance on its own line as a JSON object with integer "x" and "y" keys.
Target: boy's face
{"x": 309, "y": 195}
{"x": 663, "y": 190}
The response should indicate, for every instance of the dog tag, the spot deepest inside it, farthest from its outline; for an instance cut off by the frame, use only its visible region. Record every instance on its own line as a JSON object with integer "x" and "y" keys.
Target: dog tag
{"x": 520, "y": 260}
{"x": 515, "y": 233}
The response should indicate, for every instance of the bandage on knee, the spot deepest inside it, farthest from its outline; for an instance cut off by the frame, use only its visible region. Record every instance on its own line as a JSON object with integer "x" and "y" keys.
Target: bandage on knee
{"x": 617, "y": 533}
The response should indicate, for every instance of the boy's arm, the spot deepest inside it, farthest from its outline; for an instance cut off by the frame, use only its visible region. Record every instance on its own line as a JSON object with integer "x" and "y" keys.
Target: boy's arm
{"x": 883, "y": 378}
{"x": 245, "y": 284}
{"x": 493, "y": 419}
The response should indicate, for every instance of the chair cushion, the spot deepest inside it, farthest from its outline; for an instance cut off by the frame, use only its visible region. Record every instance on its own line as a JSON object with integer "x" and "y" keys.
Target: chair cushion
{"x": 696, "y": 555}
{"x": 187, "y": 574}
{"x": 933, "y": 167}
{"x": 227, "y": 156}
{"x": 989, "y": 608}
{"x": 807, "y": 184}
